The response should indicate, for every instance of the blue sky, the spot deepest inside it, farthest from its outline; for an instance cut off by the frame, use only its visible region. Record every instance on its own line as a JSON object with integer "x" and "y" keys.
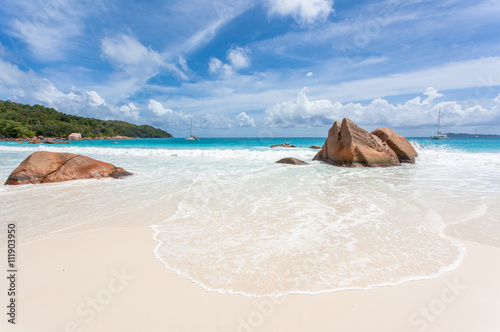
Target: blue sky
{"x": 258, "y": 68}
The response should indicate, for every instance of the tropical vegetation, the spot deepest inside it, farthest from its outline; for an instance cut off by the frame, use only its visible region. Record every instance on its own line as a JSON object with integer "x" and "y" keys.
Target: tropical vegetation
{"x": 25, "y": 121}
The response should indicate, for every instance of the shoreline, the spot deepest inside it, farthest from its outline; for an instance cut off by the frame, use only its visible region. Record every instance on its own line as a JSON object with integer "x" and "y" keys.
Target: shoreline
{"x": 91, "y": 280}
{"x": 41, "y": 138}
{"x": 202, "y": 285}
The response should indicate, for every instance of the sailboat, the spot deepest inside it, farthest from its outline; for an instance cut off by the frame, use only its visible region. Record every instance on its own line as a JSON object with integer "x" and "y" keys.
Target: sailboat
{"x": 439, "y": 134}
{"x": 191, "y": 136}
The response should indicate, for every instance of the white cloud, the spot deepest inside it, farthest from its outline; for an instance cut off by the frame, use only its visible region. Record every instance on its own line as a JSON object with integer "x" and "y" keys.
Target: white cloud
{"x": 97, "y": 100}
{"x": 431, "y": 94}
{"x": 481, "y": 73}
{"x": 130, "y": 111}
{"x": 244, "y": 120}
{"x": 48, "y": 28}
{"x": 184, "y": 71}
{"x": 172, "y": 121}
{"x": 129, "y": 54}
{"x": 239, "y": 57}
{"x": 303, "y": 11}
{"x": 27, "y": 87}
{"x": 200, "y": 21}
{"x": 217, "y": 67}
{"x": 414, "y": 113}
{"x": 158, "y": 109}
{"x": 309, "y": 74}
{"x": 136, "y": 65}
{"x": 210, "y": 120}
{"x": 13, "y": 81}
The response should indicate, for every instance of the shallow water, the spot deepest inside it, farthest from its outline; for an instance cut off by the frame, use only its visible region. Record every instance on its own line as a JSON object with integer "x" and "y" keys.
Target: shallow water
{"x": 231, "y": 220}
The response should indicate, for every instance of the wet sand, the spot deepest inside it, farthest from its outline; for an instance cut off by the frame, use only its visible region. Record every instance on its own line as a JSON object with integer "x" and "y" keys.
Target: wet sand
{"x": 109, "y": 280}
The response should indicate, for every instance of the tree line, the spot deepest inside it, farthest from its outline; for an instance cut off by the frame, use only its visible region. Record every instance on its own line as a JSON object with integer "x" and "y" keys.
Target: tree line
{"x": 25, "y": 121}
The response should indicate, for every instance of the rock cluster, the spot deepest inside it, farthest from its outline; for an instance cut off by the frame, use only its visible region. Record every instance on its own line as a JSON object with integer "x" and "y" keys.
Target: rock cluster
{"x": 284, "y": 145}
{"x": 351, "y": 146}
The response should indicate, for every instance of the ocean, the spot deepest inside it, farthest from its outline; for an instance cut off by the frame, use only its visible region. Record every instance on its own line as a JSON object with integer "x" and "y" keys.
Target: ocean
{"x": 230, "y": 219}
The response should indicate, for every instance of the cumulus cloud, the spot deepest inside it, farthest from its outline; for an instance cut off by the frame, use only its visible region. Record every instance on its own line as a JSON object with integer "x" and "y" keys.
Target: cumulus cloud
{"x": 237, "y": 57}
{"x": 158, "y": 108}
{"x": 303, "y": 11}
{"x": 28, "y": 87}
{"x": 168, "y": 118}
{"x": 217, "y": 67}
{"x": 309, "y": 74}
{"x": 130, "y": 111}
{"x": 413, "y": 113}
{"x": 85, "y": 103}
{"x": 173, "y": 120}
{"x": 243, "y": 120}
{"x": 431, "y": 94}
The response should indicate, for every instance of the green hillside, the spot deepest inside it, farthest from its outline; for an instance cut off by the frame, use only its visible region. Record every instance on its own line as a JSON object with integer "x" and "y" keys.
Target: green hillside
{"x": 24, "y": 121}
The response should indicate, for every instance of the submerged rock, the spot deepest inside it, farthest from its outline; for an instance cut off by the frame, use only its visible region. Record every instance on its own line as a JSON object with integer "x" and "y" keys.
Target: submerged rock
{"x": 315, "y": 147}
{"x": 34, "y": 140}
{"x": 399, "y": 144}
{"x": 352, "y": 146}
{"x": 49, "y": 141}
{"x": 292, "y": 161}
{"x": 284, "y": 145}
{"x": 45, "y": 167}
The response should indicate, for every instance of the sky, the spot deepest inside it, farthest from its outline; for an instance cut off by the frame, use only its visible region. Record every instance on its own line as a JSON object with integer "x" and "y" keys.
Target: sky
{"x": 258, "y": 68}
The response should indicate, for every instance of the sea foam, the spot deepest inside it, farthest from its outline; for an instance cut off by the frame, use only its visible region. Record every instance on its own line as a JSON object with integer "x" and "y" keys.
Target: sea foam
{"x": 231, "y": 220}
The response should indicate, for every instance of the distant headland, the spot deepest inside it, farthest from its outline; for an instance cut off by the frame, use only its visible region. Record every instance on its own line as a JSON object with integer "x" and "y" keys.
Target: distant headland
{"x": 470, "y": 135}
{"x": 19, "y": 121}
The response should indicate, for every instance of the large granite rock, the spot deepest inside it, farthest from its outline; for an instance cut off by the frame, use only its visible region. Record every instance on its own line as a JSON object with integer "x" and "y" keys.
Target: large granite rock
{"x": 45, "y": 167}
{"x": 75, "y": 137}
{"x": 351, "y": 146}
{"x": 399, "y": 144}
{"x": 292, "y": 161}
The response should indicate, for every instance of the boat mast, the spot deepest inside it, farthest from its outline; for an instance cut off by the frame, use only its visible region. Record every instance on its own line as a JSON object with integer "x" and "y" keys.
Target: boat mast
{"x": 439, "y": 119}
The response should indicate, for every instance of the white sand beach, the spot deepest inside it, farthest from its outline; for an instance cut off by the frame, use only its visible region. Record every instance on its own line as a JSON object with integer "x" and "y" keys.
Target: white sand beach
{"x": 250, "y": 166}
{"x": 109, "y": 280}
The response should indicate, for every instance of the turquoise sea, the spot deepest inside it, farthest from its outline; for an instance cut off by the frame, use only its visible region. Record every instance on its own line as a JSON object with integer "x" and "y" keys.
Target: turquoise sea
{"x": 480, "y": 144}
{"x": 230, "y": 219}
